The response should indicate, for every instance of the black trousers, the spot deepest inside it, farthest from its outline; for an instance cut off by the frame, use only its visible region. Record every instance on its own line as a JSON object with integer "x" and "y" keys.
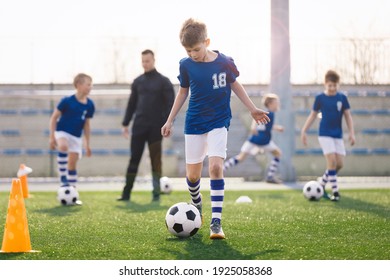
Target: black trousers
{"x": 140, "y": 136}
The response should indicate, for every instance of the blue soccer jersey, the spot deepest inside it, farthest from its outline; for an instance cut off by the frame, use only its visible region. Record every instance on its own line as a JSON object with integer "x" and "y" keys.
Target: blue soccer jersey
{"x": 74, "y": 114}
{"x": 332, "y": 108}
{"x": 210, "y": 91}
{"x": 263, "y": 136}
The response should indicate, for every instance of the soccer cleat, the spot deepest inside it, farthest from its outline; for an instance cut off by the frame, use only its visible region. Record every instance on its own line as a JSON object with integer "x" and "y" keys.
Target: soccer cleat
{"x": 78, "y": 202}
{"x": 216, "y": 231}
{"x": 274, "y": 180}
{"x": 335, "y": 197}
{"x": 326, "y": 195}
{"x": 199, "y": 207}
{"x": 121, "y": 198}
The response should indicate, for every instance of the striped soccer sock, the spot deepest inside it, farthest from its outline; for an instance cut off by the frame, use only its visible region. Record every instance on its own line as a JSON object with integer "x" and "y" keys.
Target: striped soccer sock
{"x": 273, "y": 167}
{"x": 194, "y": 189}
{"x": 62, "y": 164}
{"x": 217, "y": 192}
{"x": 230, "y": 163}
{"x": 324, "y": 179}
{"x": 72, "y": 177}
{"x": 332, "y": 175}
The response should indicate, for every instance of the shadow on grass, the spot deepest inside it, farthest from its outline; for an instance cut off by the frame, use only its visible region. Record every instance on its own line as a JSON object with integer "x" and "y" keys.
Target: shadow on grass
{"x": 196, "y": 249}
{"x": 10, "y": 256}
{"x": 140, "y": 208}
{"x": 60, "y": 211}
{"x": 363, "y": 206}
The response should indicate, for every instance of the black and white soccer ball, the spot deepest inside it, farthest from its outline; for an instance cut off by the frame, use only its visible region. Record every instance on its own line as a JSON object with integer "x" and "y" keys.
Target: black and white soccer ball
{"x": 313, "y": 191}
{"x": 67, "y": 195}
{"x": 183, "y": 219}
{"x": 165, "y": 185}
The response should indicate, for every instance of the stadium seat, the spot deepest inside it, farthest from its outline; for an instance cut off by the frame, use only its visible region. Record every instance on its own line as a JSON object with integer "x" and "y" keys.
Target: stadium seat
{"x": 10, "y": 132}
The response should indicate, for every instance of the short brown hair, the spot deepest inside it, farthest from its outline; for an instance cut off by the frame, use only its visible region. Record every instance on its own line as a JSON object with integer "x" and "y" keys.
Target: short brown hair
{"x": 192, "y": 32}
{"x": 80, "y": 78}
{"x": 268, "y": 98}
{"x": 147, "y": 51}
{"x": 332, "y": 76}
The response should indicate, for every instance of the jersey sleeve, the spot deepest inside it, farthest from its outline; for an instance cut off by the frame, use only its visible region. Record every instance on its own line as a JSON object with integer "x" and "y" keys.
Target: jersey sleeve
{"x": 91, "y": 110}
{"x": 183, "y": 76}
{"x": 346, "y": 105}
{"x": 62, "y": 105}
{"x": 317, "y": 104}
{"x": 233, "y": 72}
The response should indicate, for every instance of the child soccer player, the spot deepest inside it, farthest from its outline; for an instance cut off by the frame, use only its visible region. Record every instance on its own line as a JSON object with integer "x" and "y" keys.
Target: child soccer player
{"x": 211, "y": 76}
{"x": 260, "y": 140}
{"x": 67, "y": 123}
{"x": 333, "y": 105}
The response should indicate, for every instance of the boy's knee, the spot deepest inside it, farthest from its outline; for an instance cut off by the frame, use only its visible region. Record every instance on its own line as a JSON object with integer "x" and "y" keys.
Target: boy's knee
{"x": 192, "y": 178}
{"x": 62, "y": 148}
{"x": 215, "y": 169}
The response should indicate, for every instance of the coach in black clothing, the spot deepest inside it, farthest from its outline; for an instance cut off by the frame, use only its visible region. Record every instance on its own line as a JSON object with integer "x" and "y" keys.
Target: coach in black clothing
{"x": 151, "y": 99}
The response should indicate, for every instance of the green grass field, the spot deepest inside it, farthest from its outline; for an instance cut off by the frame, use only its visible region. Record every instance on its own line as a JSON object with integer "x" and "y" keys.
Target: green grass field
{"x": 278, "y": 225}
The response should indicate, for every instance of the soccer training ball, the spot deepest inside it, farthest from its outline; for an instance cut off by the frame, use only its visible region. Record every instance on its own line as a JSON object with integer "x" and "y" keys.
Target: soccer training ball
{"x": 67, "y": 195}
{"x": 313, "y": 190}
{"x": 183, "y": 219}
{"x": 165, "y": 185}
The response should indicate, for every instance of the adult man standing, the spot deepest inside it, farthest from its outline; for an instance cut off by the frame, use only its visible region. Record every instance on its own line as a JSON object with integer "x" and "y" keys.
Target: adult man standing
{"x": 151, "y": 99}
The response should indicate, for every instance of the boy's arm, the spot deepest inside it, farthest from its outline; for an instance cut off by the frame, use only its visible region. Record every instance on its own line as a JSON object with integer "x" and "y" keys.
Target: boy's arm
{"x": 253, "y": 128}
{"x": 309, "y": 121}
{"x": 258, "y": 115}
{"x": 181, "y": 97}
{"x": 349, "y": 121}
{"x": 278, "y": 128}
{"x": 52, "y": 126}
{"x": 87, "y": 134}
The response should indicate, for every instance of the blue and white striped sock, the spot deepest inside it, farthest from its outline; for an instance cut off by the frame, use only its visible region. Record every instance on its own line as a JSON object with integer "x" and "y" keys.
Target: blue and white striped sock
{"x": 230, "y": 163}
{"x": 62, "y": 164}
{"x": 217, "y": 192}
{"x": 194, "y": 189}
{"x": 72, "y": 177}
{"x": 332, "y": 175}
{"x": 273, "y": 167}
{"x": 325, "y": 179}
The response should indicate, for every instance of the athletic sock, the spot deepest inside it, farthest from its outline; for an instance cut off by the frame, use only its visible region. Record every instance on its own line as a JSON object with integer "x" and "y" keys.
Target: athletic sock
{"x": 194, "y": 189}
{"x": 324, "y": 179}
{"x": 332, "y": 175}
{"x": 273, "y": 167}
{"x": 230, "y": 163}
{"x": 62, "y": 164}
{"x": 72, "y": 177}
{"x": 217, "y": 191}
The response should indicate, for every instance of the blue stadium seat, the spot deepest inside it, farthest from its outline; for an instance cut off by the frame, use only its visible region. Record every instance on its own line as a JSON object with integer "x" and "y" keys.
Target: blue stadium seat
{"x": 359, "y": 151}
{"x": 380, "y": 151}
{"x": 111, "y": 112}
{"x": 12, "y": 152}
{"x": 98, "y": 132}
{"x": 8, "y": 112}
{"x": 121, "y": 152}
{"x": 36, "y": 152}
{"x": 29, "y": 112}
{"x": 101, "y": 152}
{"x": 114, "y": 132}
{"x": 10, "y": 132}
{"x": 372, "y": 131}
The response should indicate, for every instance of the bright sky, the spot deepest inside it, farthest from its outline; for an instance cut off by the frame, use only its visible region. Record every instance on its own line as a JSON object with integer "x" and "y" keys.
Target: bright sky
{"x": 45, "y": 41}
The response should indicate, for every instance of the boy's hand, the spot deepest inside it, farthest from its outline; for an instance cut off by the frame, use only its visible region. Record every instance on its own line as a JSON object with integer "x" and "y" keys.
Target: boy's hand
{"x": 52, "y": 143}
{"x": 88, "y": 151}
{"x": 166, "y": 130}
{"x": 304, "y": 138}
{"x": 352, "y": 139}
{"x": 279, "y": 128}
{"x": 260, "y": 116}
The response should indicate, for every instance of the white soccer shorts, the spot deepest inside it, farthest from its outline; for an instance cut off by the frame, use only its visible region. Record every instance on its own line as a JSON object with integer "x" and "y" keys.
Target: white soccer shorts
{"x": 253, "y": 149}
{"x": 330, "y": 145}
{"x": 211, "y": 144}
{"x": 75, "y": 144}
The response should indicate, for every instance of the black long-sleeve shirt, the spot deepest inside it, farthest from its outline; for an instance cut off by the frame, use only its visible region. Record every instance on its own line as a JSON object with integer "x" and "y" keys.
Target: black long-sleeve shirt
{"x": 151, "y": 99}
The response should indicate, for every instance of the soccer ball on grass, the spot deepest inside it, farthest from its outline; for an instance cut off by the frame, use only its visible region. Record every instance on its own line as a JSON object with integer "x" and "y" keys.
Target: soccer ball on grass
{"x": 183, "y": 219}
{"x": 313, "y": 191}
{"x": 67, "y": 195}
{"x": 165, "y": 185}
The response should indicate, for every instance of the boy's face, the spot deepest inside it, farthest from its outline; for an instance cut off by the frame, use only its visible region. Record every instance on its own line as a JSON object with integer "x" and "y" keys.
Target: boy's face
{"x": 148, "y": 62}
{"x": 198, "y": 52}
{"x": 273, "y": 105}
{"x": 331, "y": 87}
{"x": 84, "y": 87}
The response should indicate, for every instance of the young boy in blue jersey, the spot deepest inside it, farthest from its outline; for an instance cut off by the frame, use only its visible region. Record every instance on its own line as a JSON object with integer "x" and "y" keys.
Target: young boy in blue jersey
{"x": 68, "y": 122}
{"x": 333, "y": 105}
{"x": 210, "y": 76}
{"x": 260, "y": 140}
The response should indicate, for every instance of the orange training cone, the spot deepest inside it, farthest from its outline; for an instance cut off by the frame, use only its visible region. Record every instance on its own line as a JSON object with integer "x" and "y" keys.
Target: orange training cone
{"x": 22, "y": 174}
{"x": 16, "y": 235}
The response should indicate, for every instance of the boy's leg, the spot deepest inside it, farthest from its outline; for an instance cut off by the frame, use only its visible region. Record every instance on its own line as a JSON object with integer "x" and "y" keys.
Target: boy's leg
{"x": 324, "y": 180}
{"x": 274, "y": 163}
{"x": 233, "y": 161}
{"x": 193, "y": 182}
{"x": 72, "y": 171}
{"x": 331, "y": 160}
{"x": 217, "y": 193}
{"x": 62, "y": 160}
